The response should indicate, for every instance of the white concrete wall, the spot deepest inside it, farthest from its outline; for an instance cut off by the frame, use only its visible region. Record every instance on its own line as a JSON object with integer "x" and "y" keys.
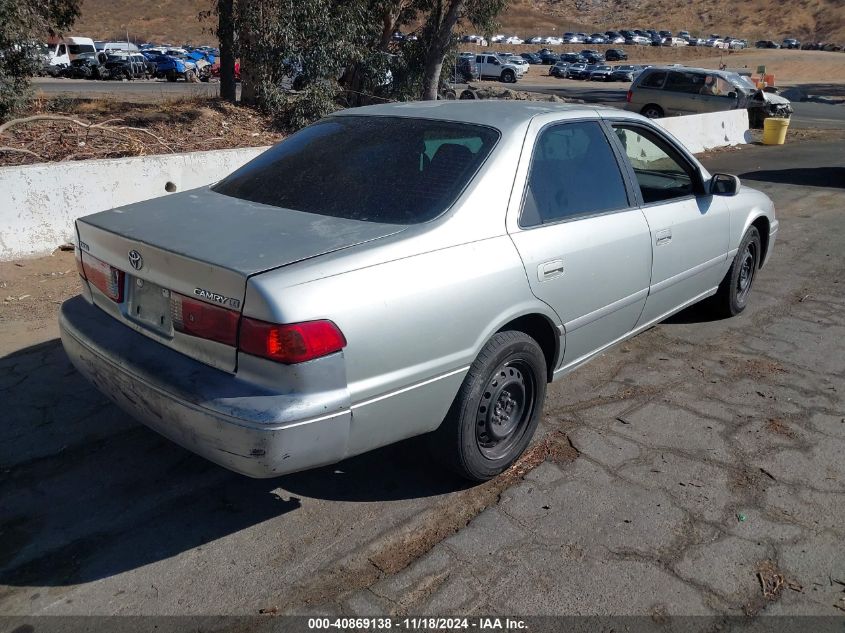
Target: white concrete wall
{"x": 700, "y": 132}
{"x": 39, "y": 203}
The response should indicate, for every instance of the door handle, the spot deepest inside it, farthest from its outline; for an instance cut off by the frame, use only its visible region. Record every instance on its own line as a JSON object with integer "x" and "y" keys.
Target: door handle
{"x": 550, "y": 270}
{"x": 663, "y": 236}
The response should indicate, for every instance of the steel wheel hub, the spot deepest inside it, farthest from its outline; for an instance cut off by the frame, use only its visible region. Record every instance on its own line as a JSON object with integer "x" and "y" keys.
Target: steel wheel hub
{"x": 505, "y": 407}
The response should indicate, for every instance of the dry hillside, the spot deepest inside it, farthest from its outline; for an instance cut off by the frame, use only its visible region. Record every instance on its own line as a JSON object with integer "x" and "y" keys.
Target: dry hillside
{"x": 176, "y": 21}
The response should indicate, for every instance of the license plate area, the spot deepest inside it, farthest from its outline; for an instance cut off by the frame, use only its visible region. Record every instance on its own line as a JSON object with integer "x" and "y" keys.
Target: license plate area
{"x": 149, "y": 306}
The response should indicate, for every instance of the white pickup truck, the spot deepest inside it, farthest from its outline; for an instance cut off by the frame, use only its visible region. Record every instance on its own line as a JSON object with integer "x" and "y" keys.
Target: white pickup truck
{"x": 493, "y": 67}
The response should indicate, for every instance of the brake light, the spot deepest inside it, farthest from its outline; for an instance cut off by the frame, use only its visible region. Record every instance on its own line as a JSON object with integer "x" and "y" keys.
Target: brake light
{"x": 107, "y": 279}
{"x": 290, "y": 343}
{"x": 203, "y": 320}
{"x": 628, "y": 96}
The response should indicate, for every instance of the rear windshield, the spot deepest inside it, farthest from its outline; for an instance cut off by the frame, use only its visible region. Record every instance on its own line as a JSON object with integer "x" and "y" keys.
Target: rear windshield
{"x": 377, "y": 169}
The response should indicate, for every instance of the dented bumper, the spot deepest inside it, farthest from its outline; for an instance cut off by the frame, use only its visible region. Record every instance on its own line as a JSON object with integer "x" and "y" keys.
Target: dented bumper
{"x": 237, "y": 424}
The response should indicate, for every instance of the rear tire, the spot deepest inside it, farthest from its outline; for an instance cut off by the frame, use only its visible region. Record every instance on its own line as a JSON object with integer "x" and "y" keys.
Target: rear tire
{"x": 733, "y": 293}
{"x": 497, "y": 409}
{"x": 652, "y": 111}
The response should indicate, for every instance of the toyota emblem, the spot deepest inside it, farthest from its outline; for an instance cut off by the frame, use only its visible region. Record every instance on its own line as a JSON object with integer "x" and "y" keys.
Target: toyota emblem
{"x": 136, "y": 260}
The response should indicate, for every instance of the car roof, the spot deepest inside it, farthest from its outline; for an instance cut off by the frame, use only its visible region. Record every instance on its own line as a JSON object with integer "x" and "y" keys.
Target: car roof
{"x": 504, "y": 115}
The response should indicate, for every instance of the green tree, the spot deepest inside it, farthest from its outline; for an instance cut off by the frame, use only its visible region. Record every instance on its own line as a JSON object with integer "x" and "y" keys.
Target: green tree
{"x": 24, "y": 25}
{"x": 437, "y": 35}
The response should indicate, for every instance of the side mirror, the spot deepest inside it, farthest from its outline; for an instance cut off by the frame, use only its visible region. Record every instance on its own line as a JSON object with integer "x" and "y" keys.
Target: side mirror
{"x": 724, "y": 185}
{"x": 731, "y": 95}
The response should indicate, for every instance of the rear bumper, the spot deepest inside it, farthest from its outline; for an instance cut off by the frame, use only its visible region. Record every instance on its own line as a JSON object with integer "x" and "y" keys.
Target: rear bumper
{"x": 241, "y": 426}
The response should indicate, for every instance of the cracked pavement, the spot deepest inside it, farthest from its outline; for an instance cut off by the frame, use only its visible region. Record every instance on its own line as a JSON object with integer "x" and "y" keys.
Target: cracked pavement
{"x": 695, "y": 470}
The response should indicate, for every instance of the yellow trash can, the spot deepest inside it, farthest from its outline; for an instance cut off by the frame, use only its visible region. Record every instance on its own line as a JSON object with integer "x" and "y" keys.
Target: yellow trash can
{"x": 774, "y": 130}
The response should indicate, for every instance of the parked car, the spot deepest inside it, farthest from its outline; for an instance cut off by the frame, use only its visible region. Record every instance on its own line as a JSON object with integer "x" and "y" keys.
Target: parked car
{"x": 492, "y": 67}
{"x": 575, "y": 70}
{"x": 559, "y": 69}
{"x": 134, "y": 66}
{"x": 624, "y": 73}
{"x": 549, "y": 57}
{"x": 532, "y": 58}
{"x": 86, "y": 66}
{"x": 514, "y": 40}
{"x": 238, "y": 319}
{"x": 573, "y": 58}
{"x": 583, "y": 73}
{"x": 466, "y": 68}
{"x": 601, "y": 73}
{"x": 791, "y": 43}
{"x": 766, "y": 44}
{"x": 615, "y": 55}
{"x": 668, "y": 91}
{"x": 172, "y": 67}
{"x": 675, "y": 41}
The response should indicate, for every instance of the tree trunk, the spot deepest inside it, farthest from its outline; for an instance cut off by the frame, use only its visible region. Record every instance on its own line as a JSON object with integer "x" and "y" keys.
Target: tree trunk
{"x": 438, "y": 47}
{"x": 431, "y": 76}
{"x": 226, "y": 35}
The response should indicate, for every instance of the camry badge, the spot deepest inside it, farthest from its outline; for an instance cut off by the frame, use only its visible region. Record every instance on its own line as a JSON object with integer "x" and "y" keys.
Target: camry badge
{"x": 136, "y": 260}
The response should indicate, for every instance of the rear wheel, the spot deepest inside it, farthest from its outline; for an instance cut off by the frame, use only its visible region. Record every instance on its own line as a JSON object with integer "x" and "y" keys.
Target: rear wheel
{"x": 652, "y": 111}
{"x": 733, "y": 293}
{"x": 497, "y": 409}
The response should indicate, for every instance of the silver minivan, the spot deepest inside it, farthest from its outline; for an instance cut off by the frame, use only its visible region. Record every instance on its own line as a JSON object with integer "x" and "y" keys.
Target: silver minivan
{"x": 670, "y": 90}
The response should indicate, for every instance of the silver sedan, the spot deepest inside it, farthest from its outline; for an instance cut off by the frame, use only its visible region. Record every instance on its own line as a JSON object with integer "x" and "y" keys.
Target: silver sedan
{"x": 403, "y": 269}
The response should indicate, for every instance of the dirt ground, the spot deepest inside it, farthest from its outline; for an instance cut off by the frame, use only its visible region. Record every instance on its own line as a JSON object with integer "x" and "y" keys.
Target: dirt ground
{"x": 111, "y": 128}
{"x": 30, "y": 293}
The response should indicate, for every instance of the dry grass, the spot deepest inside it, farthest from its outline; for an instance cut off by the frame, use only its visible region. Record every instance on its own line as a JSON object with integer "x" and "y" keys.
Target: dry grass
{"x": 176, "y": 21}
{"x": 179, "y": 125}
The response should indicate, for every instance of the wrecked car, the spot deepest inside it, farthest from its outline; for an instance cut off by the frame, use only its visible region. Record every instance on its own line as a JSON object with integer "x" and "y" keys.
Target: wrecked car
{"x": 132, "y": 66}
{"x": 204, "y": 61}
{"x": 86, "y": 66}
{"x": 669, "y": 91}
{"x": 474, "y": 253}
{"x": 173, "y": 68}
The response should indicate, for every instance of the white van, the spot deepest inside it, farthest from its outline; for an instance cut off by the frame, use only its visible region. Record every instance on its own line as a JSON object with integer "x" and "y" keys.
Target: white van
{"x": 108, "y": 47}
{"x": 69, "y": 49}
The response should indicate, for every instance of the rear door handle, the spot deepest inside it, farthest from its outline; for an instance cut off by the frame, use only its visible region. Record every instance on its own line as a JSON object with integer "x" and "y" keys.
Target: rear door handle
{"x": 550, "y": 270}
{"x": 663, "y": 236}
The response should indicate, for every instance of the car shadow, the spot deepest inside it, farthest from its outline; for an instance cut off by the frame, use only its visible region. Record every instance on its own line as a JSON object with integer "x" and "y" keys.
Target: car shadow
{"x": 832, "y": 177}
{"x": 109, "y": 495}
{"x": 701, "y": 312}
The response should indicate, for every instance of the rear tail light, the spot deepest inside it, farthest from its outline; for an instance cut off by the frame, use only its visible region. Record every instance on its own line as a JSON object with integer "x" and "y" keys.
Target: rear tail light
{"x": 290, "y": 343}
{"x": 107, "y": 279}
{"x": 203, "y": 320}
{"x": 628, "y": 96}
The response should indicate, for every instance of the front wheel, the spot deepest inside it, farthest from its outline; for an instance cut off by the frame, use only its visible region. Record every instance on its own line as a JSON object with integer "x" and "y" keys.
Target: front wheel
{"x": 508, "y": 76}
{"x": 733, "y": 293}
{"x": 497, "y": 409}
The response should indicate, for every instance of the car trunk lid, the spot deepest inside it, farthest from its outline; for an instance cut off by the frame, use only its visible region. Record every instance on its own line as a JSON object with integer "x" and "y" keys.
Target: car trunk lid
{"x": 204, "y": 246}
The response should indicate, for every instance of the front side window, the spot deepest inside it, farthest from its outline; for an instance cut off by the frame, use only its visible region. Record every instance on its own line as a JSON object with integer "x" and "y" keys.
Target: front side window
{"x": 393, "y": 170}
{"x": 654, "y": 80}
{"x": 573, "y": 173}
{"x": 661, "y": 173}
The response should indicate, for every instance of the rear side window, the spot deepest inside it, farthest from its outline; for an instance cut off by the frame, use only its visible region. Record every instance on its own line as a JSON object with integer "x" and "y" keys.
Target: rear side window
{"x": 573, "y": 173}
{"x": 654, "y": 80}
{"x": 379, "y": 169}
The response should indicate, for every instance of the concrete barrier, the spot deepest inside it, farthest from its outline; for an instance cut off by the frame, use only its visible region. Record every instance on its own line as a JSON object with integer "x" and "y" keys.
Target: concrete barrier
{"x": 700, "y": 132}
{"x": 39, "y": 203}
